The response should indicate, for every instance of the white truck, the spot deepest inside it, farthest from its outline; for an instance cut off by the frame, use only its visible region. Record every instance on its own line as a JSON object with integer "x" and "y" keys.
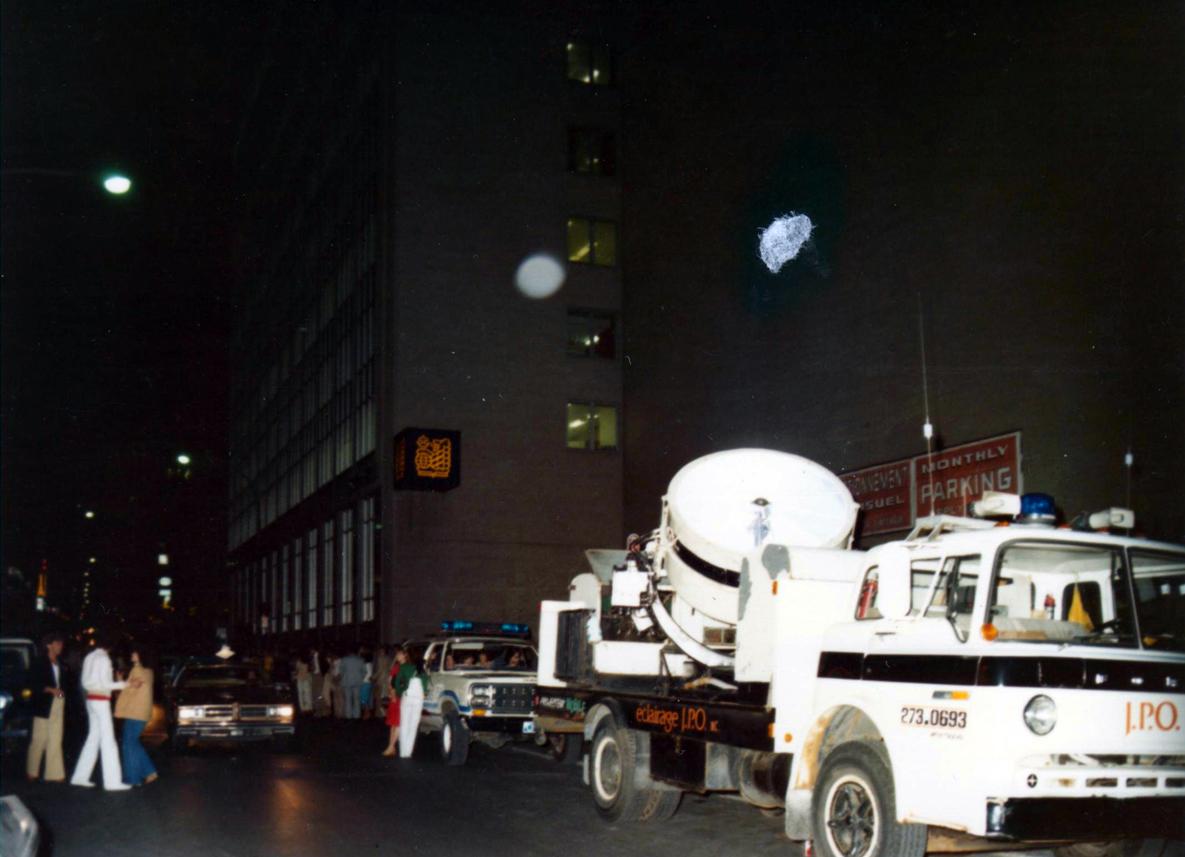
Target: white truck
{"x": 978, "y": 685}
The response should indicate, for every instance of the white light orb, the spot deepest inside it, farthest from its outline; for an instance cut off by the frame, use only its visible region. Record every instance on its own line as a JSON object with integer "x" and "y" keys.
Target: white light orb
{"x": 117, "y": 184}
{"x": 539, "y": 276}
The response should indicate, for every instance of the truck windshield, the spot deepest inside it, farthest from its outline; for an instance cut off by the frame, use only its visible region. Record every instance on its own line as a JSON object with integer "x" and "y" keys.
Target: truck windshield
{"x": 1054, "y": 592}
{"x": 1159, "y": 579}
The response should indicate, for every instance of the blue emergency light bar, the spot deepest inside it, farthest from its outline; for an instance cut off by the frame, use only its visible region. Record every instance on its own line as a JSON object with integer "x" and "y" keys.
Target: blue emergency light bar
{"x": 487, "y": 629}
{"x": 1037, "y": 507}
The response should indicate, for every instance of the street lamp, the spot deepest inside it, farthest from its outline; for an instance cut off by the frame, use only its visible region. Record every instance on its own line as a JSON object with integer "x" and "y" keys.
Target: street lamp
{"x": 90, "y": 514}
{"x": 183, "y": 459}
{"x": 117, "y": 184}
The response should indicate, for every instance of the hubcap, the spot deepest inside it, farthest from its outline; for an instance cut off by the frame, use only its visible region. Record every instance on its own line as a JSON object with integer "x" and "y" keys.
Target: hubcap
{"x": 852, "y": 818}
{"x": 608, "y": 770}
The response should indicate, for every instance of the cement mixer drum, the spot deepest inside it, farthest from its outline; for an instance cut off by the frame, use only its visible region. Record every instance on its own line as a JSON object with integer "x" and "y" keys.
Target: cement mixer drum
{"x": 723, "y": 506}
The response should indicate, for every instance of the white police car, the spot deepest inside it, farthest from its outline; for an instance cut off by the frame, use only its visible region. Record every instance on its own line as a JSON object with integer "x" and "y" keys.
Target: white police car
{"x": 481, "y": 686}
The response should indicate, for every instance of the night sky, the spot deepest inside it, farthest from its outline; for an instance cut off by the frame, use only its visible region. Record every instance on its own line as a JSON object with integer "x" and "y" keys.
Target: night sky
{"x": 115, "y": 322}
{"x": 116, "y": 309}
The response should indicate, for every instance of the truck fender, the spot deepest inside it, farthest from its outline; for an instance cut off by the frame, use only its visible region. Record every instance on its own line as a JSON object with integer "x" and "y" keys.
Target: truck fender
{"x": 834, "y": 727}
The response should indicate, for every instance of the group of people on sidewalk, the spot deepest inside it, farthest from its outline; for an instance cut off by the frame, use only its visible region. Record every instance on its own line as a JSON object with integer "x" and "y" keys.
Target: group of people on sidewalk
{"x": 124, "y": 766}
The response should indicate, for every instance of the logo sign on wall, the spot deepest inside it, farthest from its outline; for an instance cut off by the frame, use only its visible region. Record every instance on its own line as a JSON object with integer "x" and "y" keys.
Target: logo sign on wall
{"x": 427, "y": 459}
{"x": 893, "y": 495}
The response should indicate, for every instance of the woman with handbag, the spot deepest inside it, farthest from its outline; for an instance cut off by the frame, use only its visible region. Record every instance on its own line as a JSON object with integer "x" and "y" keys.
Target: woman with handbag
{"x": 401, "y": 674}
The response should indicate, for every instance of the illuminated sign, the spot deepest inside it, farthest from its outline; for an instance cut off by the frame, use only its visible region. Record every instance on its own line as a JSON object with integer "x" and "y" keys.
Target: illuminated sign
{"x": 893, "y": 495}
{"x": 427, "y": 460}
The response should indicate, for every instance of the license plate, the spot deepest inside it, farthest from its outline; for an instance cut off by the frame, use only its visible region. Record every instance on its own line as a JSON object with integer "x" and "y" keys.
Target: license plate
{"x": 528, "y": 727}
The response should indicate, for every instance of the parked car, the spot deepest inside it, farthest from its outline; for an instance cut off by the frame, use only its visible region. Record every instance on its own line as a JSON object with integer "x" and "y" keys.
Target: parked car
{"x": 481, "y": 686}
{"x": 16, "y": 656}
{"x": 228, "y": 701}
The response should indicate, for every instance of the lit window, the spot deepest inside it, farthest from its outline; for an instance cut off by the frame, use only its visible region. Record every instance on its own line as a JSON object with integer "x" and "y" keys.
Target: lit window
{"x": 592, "y": 242}
{"x": 589, "y": 63}
{"x": 591, "y": 152}
{"x": 591, "y": 426}
{"x": 591, "y": 334}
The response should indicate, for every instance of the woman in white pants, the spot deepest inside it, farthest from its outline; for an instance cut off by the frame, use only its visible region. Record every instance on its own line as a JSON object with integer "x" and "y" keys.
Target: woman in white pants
{"x": 98, "y": 682}
{"x": 411, "y": 704}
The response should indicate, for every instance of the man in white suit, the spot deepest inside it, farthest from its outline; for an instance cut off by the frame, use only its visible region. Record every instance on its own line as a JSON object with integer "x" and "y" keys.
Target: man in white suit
{"x": 98, "y": 683}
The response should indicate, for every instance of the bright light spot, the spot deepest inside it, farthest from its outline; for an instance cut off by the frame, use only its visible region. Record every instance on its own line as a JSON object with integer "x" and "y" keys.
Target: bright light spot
{"x": 183, "y": 459}
{"x": 539, "y": 276}
{"x": 166, "y": 581}
{"x": 117, "y": 184}
{"x": 93, "y": 560}
{"x": 782, "y": 240}
{"x": 162, "y": 559}
{"x": 90, "y": 514}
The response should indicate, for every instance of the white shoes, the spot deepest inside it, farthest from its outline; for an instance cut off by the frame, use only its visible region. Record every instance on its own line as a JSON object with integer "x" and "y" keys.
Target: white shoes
{"x": 82, "y": 785}
{"x": 118, "y": 787}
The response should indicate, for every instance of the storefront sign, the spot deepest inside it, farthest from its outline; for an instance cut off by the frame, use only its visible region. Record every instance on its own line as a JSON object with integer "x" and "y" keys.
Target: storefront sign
{"x": 427, "y": 459}
{"x": 893, "y": 495}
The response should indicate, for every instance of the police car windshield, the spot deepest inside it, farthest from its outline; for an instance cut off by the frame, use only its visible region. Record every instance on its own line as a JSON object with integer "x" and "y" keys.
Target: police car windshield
{"x": 218, "y": 676}
{"x": 489, "y": 655}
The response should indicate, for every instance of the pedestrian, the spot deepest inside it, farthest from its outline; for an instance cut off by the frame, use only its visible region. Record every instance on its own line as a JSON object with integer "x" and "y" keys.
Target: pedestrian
{"x": 382, "y": 687}
{"x": 367, "y": 682}
{"x": 317, "y": 668}
{"x": 47, "y": 678}
{"x": 98, "y": 684}
{"x": 304, "y": 684}
{"x": 401, "y": 675}
{"x": 411, "y": 704}
{"x": 352, "y": 671}
{"x": 135, "y": 707}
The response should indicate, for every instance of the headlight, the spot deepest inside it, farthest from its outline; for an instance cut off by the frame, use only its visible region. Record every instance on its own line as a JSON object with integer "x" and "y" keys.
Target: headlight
{"x": 481, "y": 694}
{"x": 189, "y": 713}
{"x": 280, "y": 711}
{"x": 1041, "y": 715}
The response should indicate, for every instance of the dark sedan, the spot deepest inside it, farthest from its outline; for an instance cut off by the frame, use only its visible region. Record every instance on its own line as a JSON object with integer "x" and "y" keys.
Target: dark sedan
{"x": 229, "y": 702}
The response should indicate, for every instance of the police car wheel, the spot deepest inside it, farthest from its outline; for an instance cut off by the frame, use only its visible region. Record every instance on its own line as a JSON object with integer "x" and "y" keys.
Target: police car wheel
{"x": 854, "y": 807}
{"x": 454, "y": 739}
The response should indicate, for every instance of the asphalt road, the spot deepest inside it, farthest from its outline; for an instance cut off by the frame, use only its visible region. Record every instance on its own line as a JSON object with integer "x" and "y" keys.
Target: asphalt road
{"x": 338, "y": 796}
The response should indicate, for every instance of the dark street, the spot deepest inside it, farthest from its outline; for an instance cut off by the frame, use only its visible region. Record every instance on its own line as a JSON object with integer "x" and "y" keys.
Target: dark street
{"x": 339, "y": 796}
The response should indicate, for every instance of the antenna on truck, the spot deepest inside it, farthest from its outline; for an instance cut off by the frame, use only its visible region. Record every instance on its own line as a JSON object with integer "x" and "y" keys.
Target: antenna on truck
{"x": 927, "y": 426}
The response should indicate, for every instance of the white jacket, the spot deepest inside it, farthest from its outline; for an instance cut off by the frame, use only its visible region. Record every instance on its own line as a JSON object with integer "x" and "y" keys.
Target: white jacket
{"x": 96, "y": 674}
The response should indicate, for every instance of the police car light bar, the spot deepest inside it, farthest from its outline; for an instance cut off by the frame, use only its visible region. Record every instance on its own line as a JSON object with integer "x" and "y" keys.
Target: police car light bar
{"x": 487, "y": 629}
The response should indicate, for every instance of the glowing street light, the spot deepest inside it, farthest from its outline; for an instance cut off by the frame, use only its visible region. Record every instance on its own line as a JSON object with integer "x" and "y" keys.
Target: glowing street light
{"x": 117, "y": 184}
{"x": 90, "y": 514}
{"x": 183, "y": 459}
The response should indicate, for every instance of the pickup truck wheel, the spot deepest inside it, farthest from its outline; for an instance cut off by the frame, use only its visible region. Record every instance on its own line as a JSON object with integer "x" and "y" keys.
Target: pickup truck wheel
{"x": 454, "y": 739}
{"x": 566, "y": 747}
{"x": 854, "y": 807}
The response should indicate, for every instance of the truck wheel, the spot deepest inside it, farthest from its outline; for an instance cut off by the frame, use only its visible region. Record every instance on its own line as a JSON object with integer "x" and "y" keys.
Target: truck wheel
{"x": 613, "y": 775}
{"x": 454, "y": 739}
{"x": 566, "y": 747}
{"x": 854, "y": 807}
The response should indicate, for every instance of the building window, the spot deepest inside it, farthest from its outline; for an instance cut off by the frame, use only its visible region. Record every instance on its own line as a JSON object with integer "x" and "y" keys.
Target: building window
{"x": 591, "y": 426}
{"x": 297, "y": 579}
{"x": 346, "y": 567}
{"x": 591, "y": 334}
{"x": 311, "y": 571}
{"x": 367, "y": 559}
{"x": 592, "y": 242}
{"x": 591, "y": 152}
{"x": 327, "y": 572}
{"x": 588, "y": 63}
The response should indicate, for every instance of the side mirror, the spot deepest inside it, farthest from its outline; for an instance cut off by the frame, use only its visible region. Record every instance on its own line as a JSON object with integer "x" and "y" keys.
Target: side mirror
{"x": 895, "y": 595}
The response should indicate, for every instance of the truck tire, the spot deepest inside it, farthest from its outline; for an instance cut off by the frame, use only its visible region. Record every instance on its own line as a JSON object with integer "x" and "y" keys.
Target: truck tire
{"x": 454, "y": 739}
{"x": 613, "y": 775}
{"x": 566, "y": 747}
{"x": 854, "y": 807}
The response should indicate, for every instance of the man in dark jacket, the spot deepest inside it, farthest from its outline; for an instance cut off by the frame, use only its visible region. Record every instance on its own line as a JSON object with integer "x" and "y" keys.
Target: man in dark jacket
{"x": 47, "y": 678}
